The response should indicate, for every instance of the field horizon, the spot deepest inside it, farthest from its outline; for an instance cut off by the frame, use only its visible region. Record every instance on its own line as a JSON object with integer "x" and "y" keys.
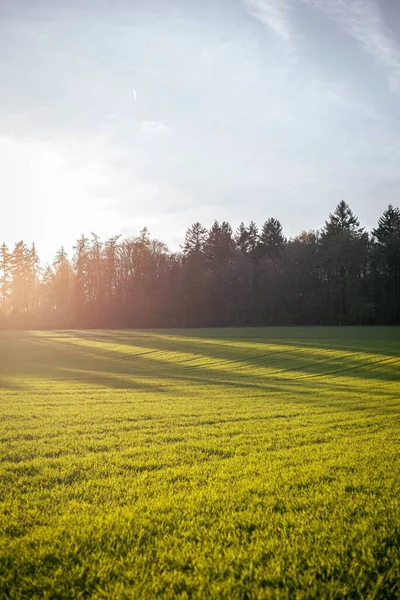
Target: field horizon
{"x": 225, "y": 463}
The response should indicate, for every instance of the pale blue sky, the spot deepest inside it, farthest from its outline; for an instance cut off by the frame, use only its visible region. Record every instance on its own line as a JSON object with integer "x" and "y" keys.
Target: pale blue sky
{"x": 115, "y": 114}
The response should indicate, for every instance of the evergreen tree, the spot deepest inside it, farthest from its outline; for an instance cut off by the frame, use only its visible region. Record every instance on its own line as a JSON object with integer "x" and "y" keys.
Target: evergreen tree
{"x": 242, "y": 238}
{"x": 387, "y": 284}
{"x": 81, "y": 281}
{"x": 21, "y": 284}
{"x": 195, "y": 239}
{"x": 34, "y": 263}
{"x": 387, "y": 234}
{"x": 220, "y": 244}
{"x": 246, "y": 238}
{"x": 111, "y": 273}
{"x": 343, "y": 254}
{"x": 95, "y": 278}
{"x": 253, "y": 239}
{"x": 340, "y": 275}
{"x": 5, "y": 274}
{"x": 342, "y": 221}
{"x": 193, "y": 276}
{"x": 302, "y": 297}
{"x": 271, "y": 242}
{"x": 61, "y": 281}
{"x": 47, "y": 300}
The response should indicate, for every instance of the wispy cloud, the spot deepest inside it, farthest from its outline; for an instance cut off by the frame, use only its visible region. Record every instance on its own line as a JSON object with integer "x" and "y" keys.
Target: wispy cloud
{"x": 363, "y": 20}
{"x": 274, "y": 14}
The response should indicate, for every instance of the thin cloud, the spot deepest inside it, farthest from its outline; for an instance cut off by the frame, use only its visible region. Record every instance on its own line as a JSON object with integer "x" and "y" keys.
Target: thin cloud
{"x": 363, "y": 21}
{"x": 273, "y": 14}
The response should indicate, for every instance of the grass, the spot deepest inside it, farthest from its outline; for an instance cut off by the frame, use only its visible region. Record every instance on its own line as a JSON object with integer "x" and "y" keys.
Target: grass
{"x": 246, "y": 463}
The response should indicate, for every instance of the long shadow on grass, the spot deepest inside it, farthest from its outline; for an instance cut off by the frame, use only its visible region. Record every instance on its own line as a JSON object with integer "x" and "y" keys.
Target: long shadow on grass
{"x": 105, "y": 379}
{"x": 309, "y": 361}
{"x": 99, "y": 368}
{"x": 223, "y": 338}
{"x": 152, "y": 370}
{"x": 375, "y": 340}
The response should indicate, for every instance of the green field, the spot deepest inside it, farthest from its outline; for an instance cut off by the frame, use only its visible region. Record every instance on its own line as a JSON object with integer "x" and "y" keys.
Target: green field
{"x": 237, "y": 463}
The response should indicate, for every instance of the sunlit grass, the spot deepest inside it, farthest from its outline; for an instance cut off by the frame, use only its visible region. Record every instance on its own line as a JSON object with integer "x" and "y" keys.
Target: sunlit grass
{"x": 247, "y": 463}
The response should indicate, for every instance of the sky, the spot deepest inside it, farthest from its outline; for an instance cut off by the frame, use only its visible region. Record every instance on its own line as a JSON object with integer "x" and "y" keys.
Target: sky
{"x": 120, "y": 114}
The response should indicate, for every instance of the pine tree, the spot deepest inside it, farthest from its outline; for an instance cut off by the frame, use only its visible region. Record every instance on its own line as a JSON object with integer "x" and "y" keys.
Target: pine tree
{"x": 387, "y": 242}
{"x": 47, "y": 298}
{"x": 220, "y": 244}
{"x": 342, "y": 220}
{"x": 253, "y": 239}
{"x": 81, "y": 280}
{"x": 5, "y": 277}
{"x": 95, "y": 279}
{"x": 344, "y": 251}
{"x": 242, "y": 238}
{"x": 272, "y": 240}
{"x": 110, "y": 269}
{"x": 302, "y": 285}
{"x": 195, "y": 239}
{"x": 338, "y": 275}
{"x": 61, "y": 285}
{"x": 34, "y": 263}
{"x": 388, "y": 231}
{"x": 21, "y": 284}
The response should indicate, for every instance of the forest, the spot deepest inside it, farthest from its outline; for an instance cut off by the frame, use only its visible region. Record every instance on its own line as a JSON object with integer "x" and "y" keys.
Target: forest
{"x": 338, "y": 275}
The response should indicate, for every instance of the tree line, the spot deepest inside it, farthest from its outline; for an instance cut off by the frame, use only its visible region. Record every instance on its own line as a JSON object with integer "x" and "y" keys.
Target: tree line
{"x": 340, "y": 274}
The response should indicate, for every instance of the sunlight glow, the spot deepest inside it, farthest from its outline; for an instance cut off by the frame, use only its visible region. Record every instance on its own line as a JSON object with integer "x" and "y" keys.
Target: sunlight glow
{"x": 61, "y": 204}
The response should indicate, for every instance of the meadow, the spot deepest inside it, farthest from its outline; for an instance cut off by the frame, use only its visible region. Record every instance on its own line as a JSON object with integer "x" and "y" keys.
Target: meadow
{"x": 225, "y": 463}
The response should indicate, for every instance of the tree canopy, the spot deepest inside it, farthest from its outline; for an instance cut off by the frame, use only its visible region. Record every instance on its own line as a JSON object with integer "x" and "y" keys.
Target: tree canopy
{"x": 339, "y": 275}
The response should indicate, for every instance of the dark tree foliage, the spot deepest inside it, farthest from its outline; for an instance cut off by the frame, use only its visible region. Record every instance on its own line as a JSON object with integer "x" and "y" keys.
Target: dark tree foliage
{"x": 343, "y": 252}
{"x": 340, "y": 275}
{"x": 386, "y": 266}
{"x": 247, "y": 238}
{"x": 220, "y": 245}
{"x": 271, "y": 241}
{"x": 195, "y": 239}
